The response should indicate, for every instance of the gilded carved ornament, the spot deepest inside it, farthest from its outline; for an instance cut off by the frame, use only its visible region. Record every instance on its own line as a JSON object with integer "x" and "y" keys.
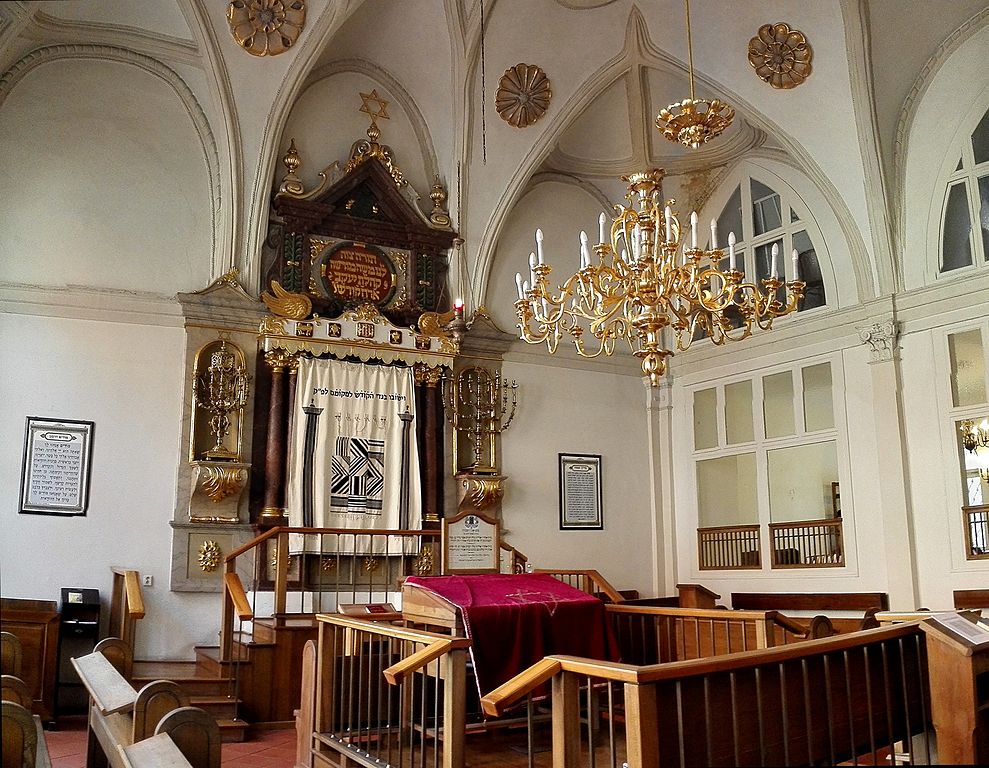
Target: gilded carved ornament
{"x": 209, "y": 556}
{"x": 523, "y": 95}
{"x": 423, "y": 565}
{"x": 219, "y": 482}
{"x": 266, "y": 27}
{"x": 780, "y": 56}
{"x": 294, "y": 306}
{"x": 483, "y": 492}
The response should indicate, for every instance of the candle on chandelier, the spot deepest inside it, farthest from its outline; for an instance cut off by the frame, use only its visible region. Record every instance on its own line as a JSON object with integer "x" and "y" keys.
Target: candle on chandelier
{"x": 669, "y": 225}
{"x": 714, "y": 234}
{"x": 518, "y": 285}
{"x": 458, "y": 307}
{"x": 693, "y": 229}
{"x": 532, "y": 268}
{"x": 774, "y": 268}
{"x": 585, "y": 251}
{"x": 539, "y": 245}
{"x": 602, "y": 221}
{"x": 731, "y": 252}
{"x": 796, "y": 265}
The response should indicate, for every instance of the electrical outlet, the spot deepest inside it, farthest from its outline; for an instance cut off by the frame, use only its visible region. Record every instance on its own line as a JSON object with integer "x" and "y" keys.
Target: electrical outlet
{"x": 149, "y": 580}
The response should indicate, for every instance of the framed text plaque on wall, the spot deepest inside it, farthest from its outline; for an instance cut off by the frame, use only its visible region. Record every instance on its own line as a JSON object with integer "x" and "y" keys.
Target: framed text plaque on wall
{"x": 56, "y": 468}
{"x": 580, "y": 492}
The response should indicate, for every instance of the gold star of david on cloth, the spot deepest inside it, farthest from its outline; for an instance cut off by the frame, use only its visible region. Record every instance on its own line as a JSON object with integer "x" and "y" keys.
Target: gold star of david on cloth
{"x": 374, "y": 113}
{"x": 547, "y": 600}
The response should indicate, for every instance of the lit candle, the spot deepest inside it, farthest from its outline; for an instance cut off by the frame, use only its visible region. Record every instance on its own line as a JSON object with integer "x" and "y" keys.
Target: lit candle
{"x": 458, "y": 307}
{"x": 585, "y": 251}
{"x": 796, "y": 265}
{"x": 714, "y": 234}
{"x": 774, "y": 268}
{"x": 539, "y": 244}
{"x": 602, "y": 221}
{"x": 669, "y": 225}
{"x": 693, "y": 229}
{"x": 731, "y": 252}
{"x": 518, "y": 285}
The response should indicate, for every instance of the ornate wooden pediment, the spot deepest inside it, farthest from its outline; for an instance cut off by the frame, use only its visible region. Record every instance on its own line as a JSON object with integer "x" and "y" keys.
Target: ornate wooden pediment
{"x": 360, "y": 237}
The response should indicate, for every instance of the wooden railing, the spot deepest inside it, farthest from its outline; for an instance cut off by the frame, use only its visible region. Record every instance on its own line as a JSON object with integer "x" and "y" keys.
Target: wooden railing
{"x": 850, "y": 697}
{"x": 586, "y": 580}
{"x": 655, "y": 635}
{"x": 976, "y": 524}
{"x": 733, "y": 547}
{"x": 385, "y": 695}
{"x": 126, "y": 605}
{"x": 807, "y": 544}
{"x": 269, "y": 575}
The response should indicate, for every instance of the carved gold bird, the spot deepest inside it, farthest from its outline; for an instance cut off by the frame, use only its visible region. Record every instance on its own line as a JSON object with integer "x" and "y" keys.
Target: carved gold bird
{"x": 434, "y": 323}
{"x": 294, "y": 306}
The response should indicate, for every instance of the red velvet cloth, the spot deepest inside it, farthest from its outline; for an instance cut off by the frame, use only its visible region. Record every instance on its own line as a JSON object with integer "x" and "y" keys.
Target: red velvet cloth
{"x": 514, "y": 620}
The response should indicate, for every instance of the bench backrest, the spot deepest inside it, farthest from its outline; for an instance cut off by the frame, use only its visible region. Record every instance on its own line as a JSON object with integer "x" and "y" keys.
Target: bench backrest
{"x": 11, "y": 654}
{"x": 14, "y": 689}
{"x": 19, "y": 735}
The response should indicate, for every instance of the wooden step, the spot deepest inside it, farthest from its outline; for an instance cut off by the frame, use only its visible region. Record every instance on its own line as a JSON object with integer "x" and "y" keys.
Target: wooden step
{"x": 221, "y": 707}
{"x": 192, "y": 678}
{"x": 232, "y": 730}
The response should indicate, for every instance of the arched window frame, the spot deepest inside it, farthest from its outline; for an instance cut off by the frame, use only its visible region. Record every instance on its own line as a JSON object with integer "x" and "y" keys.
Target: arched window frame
{"x": 747, "y": 243}
{"x": 960, "y": 152}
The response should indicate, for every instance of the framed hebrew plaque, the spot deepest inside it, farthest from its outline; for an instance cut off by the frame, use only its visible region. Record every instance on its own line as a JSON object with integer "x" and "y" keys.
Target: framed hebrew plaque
{"x": 56, "y": 468}
{"x": 580, "y": 492}
{"x": 471, "y": 543}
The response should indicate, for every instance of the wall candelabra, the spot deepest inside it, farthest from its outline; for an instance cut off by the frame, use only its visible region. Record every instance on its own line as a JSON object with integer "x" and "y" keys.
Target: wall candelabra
{"x": 480, "y": 405}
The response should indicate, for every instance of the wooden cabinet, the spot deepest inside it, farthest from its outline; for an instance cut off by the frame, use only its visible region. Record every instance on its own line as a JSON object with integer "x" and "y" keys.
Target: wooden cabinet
{"x": 35, "y": 623}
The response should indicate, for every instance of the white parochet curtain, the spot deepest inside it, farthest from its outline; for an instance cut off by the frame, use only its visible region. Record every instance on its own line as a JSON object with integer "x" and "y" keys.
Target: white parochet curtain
{"x": 357, "y": 453}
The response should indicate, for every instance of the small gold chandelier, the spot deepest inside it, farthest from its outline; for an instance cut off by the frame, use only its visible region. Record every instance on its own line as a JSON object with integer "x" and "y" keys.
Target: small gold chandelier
{"x": 974, "y": 437}
{"x": 693, "y": 122}
{"x": 645, "y": 278}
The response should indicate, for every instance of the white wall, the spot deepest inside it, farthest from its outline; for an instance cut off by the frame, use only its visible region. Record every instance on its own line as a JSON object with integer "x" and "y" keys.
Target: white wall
{"x": 563, "y": 410}
{"x": 126, "y": 379}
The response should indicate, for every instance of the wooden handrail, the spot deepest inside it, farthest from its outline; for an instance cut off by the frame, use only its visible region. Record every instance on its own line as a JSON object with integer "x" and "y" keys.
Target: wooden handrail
{"x": 428, "y": 533}
{"x": 400, "y": 670}
{"x": 506, "y": 694}
{"x": 390, "y": 630}
{"x": 234, "y": 587}
{"x": 724, "y": 614}
{"x": 133, "y": 591}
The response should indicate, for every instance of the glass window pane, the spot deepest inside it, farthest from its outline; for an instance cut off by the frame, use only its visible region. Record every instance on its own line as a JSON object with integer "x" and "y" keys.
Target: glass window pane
{"x": 738, "y": 412}
{"x": 818, "y": 400}
{"x": 705, "y": 419}
{"x": 956, "y": 248}
{"x": 800, "y": 482}
{"x": 810, "y": 272}
{"x": 968, "y": 368}
{"x": 777, "y": 404}
{"x": 980, "y": 140}
{"x": 726, "y": 491}
{"x": 975, "y": 463}
{"x": 730, "y": 219}
{"x": 793, "y": 216}
{"x": 959, "y": 166}
{"x": 766, "y": 211}
{"x": 984, "y": 215}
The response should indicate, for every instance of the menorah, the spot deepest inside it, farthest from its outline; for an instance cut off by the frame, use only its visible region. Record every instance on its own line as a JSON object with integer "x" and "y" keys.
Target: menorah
{"x": 481, "y": 405}
{"x": 220, "y": 391}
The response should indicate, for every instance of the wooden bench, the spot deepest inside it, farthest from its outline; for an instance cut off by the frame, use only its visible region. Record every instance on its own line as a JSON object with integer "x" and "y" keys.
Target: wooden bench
{"x": 23, "y": 739}
{"x": 826, "y": 603}
{"x": 119, "y": 716}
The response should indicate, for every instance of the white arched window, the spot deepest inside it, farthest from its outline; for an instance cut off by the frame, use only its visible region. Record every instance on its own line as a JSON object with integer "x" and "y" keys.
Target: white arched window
{"x": 966, "y": 200}
{"x": 760, "y": 217}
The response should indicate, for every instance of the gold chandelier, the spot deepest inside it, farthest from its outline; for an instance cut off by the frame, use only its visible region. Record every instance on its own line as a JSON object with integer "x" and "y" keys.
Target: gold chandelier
{"x": 645, "y": 278}
{"x": 693, "y": 122}
{"x": 975, "y": 437}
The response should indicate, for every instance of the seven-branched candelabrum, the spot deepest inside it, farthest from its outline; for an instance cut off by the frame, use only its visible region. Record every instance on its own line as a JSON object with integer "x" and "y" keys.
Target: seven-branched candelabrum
{"x": 645, "y": 278}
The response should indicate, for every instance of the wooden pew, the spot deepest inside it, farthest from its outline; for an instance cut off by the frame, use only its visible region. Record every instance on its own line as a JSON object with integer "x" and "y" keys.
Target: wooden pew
{"x": 23, "y": 740}
{"x": 826, "y": 603}
{"x": 119, "y": 716}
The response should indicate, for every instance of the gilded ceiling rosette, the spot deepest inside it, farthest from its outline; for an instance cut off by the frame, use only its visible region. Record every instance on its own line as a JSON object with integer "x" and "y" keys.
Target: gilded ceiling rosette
{"x": 781, "y": 56}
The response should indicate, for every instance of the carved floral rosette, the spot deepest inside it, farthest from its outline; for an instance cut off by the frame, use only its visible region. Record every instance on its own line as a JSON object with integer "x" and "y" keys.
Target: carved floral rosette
{"x": 780, "y": 56}
{"x": 266, "y": 27}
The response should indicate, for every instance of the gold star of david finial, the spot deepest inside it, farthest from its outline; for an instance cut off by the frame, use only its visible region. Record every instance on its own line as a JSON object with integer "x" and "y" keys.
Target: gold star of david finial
{"x": 370, "y": 99}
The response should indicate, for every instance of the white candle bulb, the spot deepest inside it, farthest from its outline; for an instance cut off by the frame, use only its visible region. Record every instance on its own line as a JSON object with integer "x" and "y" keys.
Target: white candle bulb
{"x": 518, "y": 285}
{"x": 525, "y": 286}
{"x": 693, "y": 229}
{"x": 539, "y": 245}
{"x": 714, "y": 234}
{"x": 532, "y": 268}
{"x": 669, "y": 225}
{"x": 602, "y": 223}
{"x": 585, "y": 251}
{"x": 774, "y": 268}
{"x": 731, "y": 252}
{"x": 796, "y": 265}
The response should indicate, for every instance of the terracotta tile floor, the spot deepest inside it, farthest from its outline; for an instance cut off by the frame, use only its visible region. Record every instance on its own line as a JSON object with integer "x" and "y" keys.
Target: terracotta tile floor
{"x": 266, "y": 749}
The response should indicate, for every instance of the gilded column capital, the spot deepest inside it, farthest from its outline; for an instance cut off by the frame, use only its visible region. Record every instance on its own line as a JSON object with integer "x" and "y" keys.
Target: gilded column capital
{"x": 278, "y": 360}
{"x": 423, "y": 374}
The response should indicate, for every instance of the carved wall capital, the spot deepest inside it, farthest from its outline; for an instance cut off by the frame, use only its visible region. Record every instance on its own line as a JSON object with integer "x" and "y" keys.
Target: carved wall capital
{"x": 881, "y": 338}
